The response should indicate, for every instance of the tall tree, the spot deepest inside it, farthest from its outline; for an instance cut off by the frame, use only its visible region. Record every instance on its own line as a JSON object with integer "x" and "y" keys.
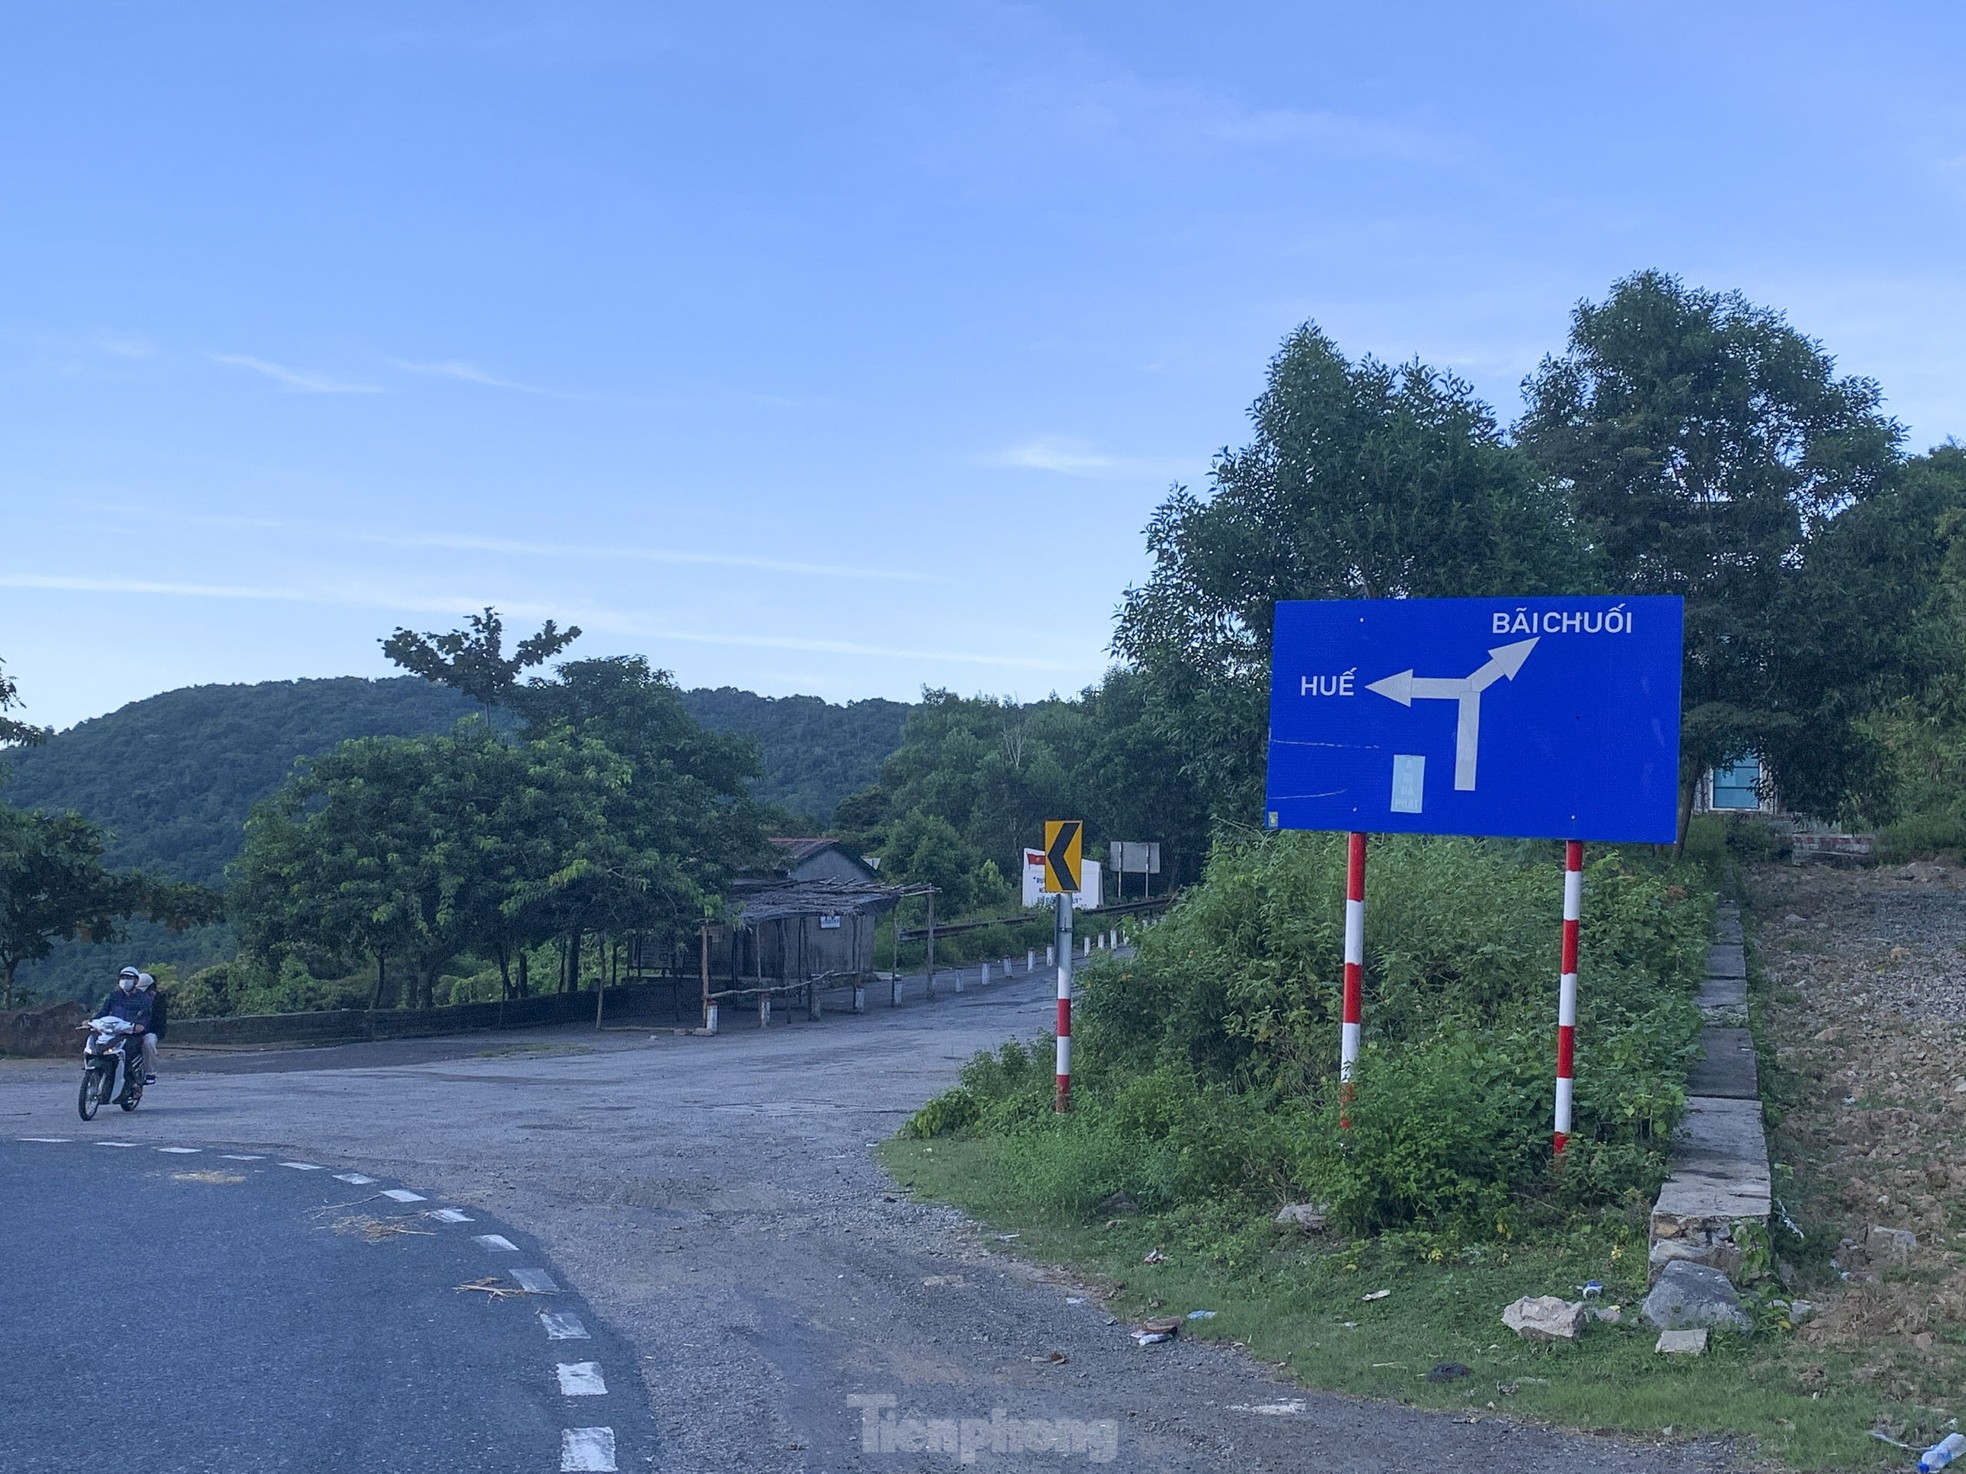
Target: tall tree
{"x": 54, "y": 887}
{"x": 1362, "y": 481}
{"x": 473, "y": 659}
{"x": 15, "y": 733}
{"x": 416, "y": 850}
{"x": 1711, "y": 449}
{"x": 687, "y": 789}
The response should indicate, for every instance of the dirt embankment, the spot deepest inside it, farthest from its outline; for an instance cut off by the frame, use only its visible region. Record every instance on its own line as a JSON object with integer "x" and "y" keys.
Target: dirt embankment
{"x": 1867, "y": 1019}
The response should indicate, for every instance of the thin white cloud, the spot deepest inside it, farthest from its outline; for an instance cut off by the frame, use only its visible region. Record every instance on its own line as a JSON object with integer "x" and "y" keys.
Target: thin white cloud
{"x": 520, "y": 548}
{"x": 1057, "y": 453}
{"x": 596, "y": 619}
{"x": 299, "y": 381}
{"x": 1065, "y": 455}
{"x": 469, "y": 373}
{"x": 123, "y": 345}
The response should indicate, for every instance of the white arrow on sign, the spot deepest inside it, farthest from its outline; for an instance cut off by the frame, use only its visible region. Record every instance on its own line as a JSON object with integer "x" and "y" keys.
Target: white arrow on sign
{"x": 1406, "y": 688}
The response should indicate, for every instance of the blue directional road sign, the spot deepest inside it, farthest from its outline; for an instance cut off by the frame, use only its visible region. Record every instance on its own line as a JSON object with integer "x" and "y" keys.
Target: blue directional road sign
{"x": 1537, "y": 718}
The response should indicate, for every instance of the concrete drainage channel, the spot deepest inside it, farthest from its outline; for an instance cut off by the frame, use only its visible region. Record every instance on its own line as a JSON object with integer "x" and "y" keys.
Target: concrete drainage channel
{"x": 1719, "y": 1190}
{"x": 330, "y": 1270}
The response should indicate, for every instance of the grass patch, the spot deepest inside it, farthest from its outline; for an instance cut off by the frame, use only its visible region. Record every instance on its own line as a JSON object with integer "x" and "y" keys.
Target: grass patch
{"x": 1288, "y": 1300}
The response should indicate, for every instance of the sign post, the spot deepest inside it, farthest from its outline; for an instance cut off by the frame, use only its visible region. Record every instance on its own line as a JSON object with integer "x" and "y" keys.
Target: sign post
{"x": 1063, "y": 842}
{"x": 1349, "y": 1031}
{"x": 1566, "y": 990}
{"x": 1543, "y": 718}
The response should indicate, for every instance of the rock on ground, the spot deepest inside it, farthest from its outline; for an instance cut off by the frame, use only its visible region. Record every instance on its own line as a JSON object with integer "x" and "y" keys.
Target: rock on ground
{"x": 1691, "y": 1341}
{"x": 1546, "y": 1318}
{"x": 1690, "y": 1294}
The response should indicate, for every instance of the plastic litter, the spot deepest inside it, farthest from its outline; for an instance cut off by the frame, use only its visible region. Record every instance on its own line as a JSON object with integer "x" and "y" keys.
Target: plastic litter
{"x": 1375, "y": 1295}
{"x": 1152, "y": 1338}
{"x": 1942, "y": 1453}
{"x": 1590, "y": 1290}
{"x": 1201, "y": 1315}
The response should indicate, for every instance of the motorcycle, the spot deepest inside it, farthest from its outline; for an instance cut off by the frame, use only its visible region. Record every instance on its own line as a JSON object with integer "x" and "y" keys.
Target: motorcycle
{"x": 113, "y": 1045}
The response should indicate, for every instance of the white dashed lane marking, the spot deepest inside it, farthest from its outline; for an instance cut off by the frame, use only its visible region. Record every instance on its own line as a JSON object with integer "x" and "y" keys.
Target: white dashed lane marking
{"x": 587, "y": 1451}
{"x": 581, "y": 1379}
{"x": 582, "y": 1450}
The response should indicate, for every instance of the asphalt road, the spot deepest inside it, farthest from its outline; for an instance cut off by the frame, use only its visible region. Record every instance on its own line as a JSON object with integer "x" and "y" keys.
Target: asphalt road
{"x": 716, "y": 1202}
{"x": 192, "y": 1310}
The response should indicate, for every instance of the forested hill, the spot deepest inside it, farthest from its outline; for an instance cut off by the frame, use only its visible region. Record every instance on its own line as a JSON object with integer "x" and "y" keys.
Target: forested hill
{"x": 173, "y": 776}
{"x": 815, "y": 753}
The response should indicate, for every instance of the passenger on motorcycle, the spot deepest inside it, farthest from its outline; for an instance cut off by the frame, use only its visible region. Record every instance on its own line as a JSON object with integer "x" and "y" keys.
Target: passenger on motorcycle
{"x": 159, "y": 1024}
{"x": 129, "y": 1002}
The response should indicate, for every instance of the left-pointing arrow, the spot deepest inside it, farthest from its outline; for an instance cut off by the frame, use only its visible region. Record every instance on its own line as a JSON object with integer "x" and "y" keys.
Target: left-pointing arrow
{"x": 1061, "y": 855}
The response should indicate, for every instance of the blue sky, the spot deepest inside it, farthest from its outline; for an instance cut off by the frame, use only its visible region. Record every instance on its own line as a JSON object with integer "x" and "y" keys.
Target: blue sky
{"x": 839, "y": 348}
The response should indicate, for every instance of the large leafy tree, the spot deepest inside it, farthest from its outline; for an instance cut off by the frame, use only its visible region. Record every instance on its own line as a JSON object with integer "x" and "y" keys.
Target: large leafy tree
{"x": 1362, "y": 481}
{"x": 473, "y": 659}
{"x": 417, "y": 850}
{"x": 976, "y": 777}
{"x": 54, "y": 887}
{"x": 685, "y": 796}
{"x": 679, "y": 825}
{"x": 1712, "y": 451}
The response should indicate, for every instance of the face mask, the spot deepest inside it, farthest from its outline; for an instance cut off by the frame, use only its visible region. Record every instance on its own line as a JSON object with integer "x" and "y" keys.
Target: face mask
{"x": 126, "y": 984}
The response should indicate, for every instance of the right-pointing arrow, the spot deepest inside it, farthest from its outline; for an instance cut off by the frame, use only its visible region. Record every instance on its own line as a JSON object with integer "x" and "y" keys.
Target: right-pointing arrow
{"x": 1503, "y": 660}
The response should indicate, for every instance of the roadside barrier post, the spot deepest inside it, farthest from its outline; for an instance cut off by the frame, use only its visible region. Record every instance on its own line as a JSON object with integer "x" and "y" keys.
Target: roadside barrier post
{"x": 1354, "y": 972}
{"x": 709, "y": 1008}
{"x": 1062, "y": 1101}
{"x": 1566, "y": 989}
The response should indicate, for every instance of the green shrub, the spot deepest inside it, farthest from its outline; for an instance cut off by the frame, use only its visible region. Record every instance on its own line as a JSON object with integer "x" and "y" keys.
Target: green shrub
{"x": 1206, "y": 1064}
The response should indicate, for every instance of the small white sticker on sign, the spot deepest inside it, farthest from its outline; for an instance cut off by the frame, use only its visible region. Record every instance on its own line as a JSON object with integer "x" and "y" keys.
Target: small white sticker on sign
{"x": 1409, "y": 782}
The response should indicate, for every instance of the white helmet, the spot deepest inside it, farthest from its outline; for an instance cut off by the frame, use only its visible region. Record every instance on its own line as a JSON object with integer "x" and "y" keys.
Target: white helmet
{"x": 146, "y": 983}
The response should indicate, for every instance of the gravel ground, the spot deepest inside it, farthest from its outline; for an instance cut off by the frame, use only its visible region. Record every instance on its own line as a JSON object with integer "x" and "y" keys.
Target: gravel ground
{"x": 1867, "y": 975}
{"x": 717, "y": 1201}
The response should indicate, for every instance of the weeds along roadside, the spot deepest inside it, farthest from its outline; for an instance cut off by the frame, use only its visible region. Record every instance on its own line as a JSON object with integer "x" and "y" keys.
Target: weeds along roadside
{"x": 1206, "y": 1063}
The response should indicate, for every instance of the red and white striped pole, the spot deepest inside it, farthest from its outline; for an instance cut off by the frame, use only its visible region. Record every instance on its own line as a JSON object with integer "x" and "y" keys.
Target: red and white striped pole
{"x": 1062, "y": 1100}
{"x": 1354, "y": 971}
{"x": 1566, "y": 997}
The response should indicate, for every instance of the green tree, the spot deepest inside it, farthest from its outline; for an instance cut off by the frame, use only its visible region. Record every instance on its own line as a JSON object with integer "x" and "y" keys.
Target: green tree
{"x": 54, "y": 887}
{"x": 1920, "y": 523}
{"x": 680, "y": 824}
{"x": 15, "y": 733}
{"x": 1712, "y": 452}
{"x": 418, "y": 850}
{"x": 473, "y": 659}
{"x": 1362, "y": 481}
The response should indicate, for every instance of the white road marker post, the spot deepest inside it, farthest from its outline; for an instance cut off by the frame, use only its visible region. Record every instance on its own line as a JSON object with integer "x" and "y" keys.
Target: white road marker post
{"x": 1062, "y": 1100}
{"x": 1566, "y": 991}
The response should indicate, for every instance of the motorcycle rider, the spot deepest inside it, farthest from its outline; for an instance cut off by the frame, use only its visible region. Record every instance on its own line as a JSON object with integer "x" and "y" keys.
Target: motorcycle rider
{"x": 159, "y": 1025}
{"x": 131, "y": 1003}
